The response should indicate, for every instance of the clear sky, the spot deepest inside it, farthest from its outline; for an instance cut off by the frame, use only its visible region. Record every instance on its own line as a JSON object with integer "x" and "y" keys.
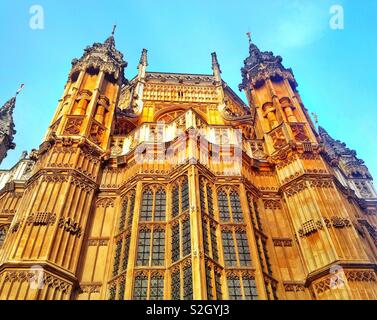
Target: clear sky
{"x": 336, "y": 69}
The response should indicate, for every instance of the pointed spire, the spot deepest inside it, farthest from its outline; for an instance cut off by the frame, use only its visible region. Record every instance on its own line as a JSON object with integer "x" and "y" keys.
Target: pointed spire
{"x": 259, "y": 66}
{"x": 249, "y": 36}
{"x": 322, "y": 131}
{"x": 216, "y": 67}
{"x": 7, "y": 126}
{"x": 110, "y": 41}
{"x": 144, "y": 57}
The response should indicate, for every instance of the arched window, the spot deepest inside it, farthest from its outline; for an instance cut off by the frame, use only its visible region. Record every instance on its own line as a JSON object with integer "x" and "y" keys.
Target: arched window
{"x": 160, "y": 207}
{"x": 153, "y": 205}
{"x": 122, "y": 247}
{"x": 147, "y": 206}
{"x": 148, "y": 286}
{"x": 151, "y": 247}
{"x": 223, "y": 206}
{"x": 229, "y": 250}
{"x": 236, "y": 248}
{"x": 206, "y": 197}
{"x": 176, "y": 285}
{"x": 236, "y": 207}
{"x": 241, "y": 287}
{"x": 185, "y": 195}
{"x": 230, "y": 206}
{"x": 180, "y": 197}
{"x": 187, "y": 283}
{"x": 140, "y": 287}
{"x": 175, "y": 256}
{"x": 186, "y": 238}
{"x": 123, "y": 215}
{"x": 158, "y": 251}
{"x": 157, "y": 287}
{"x": 175, "y": 201}
{"x": 143, "y": 248}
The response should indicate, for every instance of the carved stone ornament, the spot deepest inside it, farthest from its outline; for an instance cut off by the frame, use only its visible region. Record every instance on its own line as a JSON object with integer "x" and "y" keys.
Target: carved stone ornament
{"x": 70, "y": 226}
{"x": 310, "y": 227}
{"x": 73, "y": 126}
{"x": 102, "y": 56}
{"x": 41, "y": 219}
{"x": 260, "y": 66}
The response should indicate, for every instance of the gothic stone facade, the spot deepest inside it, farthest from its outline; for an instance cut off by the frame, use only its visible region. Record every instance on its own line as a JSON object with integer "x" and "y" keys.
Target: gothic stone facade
{"x": 169, "y": 186}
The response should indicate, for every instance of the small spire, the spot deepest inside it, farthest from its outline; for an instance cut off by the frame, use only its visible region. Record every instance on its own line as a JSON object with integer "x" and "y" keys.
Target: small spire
{"x": 215, "y": 65}
{"x": 249, "y": 36}
{"x": 144, "y": 57}
{"x": 20, "y": 89}
{"x": 114, "y": 28}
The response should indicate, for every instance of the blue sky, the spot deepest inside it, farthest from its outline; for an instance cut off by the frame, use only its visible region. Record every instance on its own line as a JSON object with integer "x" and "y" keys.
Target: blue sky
{"x": 336, "y": 69}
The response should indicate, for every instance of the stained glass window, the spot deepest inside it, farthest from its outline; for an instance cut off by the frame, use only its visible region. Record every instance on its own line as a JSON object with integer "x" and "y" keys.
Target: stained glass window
{"x": 215, "y": 252}
{"x": 176, "y": 285}
{"x": 118, "y": 252}
{"x": 236, "y": 207}
{"x": 186, "y": 237}
{"x": 158, "y": 254}
{"x": 112, "y": 292}
{"x": 157, "y": 288}
{"x": 250, "y": 288}
{"x": 185, "y": 196}
{"x": 219, "y": 293}
{"x": 122, "y": 287}
{"x": 160, "y": 207}
{"x": 187, "y": 284}
{"x": 131, "y": 212}
{"x": 205, "y": 237}
{"x": 243, "y": 249}
{"x": 223, "y": 206}
{"x": 202, "y": 197}
{"x": 175, "y": 201}
{"x": 123, "y": 214}
{"x": 147, "y": 206}
{"x": 126, "y": 251}
{"x": 229, "y": 249}
{"x": 209, "y": 284}
{"x": 210, "y": 200}
{"x": 234, "y": 288}
{"x": 143, "y": 248}
{"x": 140, "y": 288}
{"x": 175, "y": 243}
